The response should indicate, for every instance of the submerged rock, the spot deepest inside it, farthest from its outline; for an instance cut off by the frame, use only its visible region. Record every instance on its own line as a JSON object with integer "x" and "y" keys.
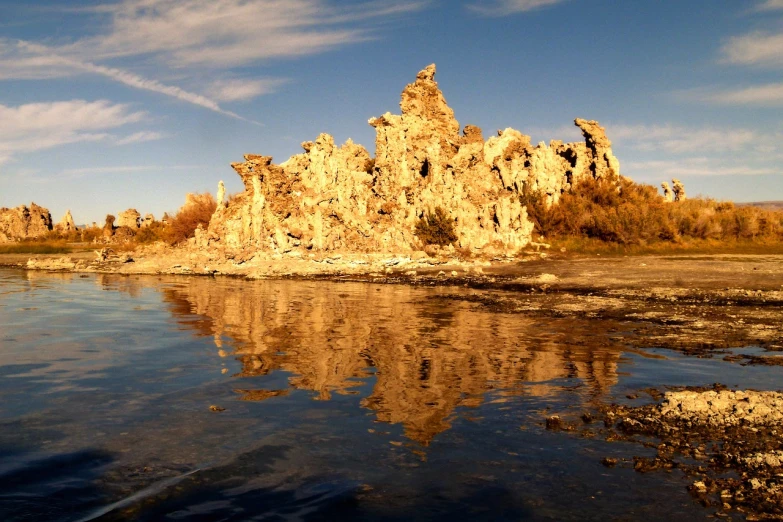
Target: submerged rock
{"x": 339, "y": 198}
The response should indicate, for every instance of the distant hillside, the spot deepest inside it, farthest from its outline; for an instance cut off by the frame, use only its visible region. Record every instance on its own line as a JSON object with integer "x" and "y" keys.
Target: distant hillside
{"x": 768, "y": 205}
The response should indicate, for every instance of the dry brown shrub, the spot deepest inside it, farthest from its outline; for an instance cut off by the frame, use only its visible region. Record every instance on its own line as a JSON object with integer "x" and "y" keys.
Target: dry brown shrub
{"x": 636, "y": 214}
{"x": 436, "y": 228}
{"x": 156, "y": 231}
{"x": 197, "y": 210}
{"x": 91, "y": 234}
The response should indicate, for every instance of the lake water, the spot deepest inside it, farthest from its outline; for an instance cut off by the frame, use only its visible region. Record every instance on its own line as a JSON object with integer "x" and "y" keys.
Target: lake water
{"x": 334, "y": 401}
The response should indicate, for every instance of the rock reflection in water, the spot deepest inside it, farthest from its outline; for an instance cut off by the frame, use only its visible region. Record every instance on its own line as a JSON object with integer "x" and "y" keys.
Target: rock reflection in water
{"x": 430, "y": 355}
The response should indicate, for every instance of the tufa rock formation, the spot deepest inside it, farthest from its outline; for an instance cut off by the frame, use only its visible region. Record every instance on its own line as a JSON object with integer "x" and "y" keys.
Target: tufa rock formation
{"x": 676, "y": 193}
{"x": 24, "y": 222}
{"x": 129, "y": 218}
{"x": 66, "y": 224}
{"x": 679, "y": 190}
{"x": 339, "y": 198}
{"x": 221, "y": 194}
{"x": 108, "y": 227}
{"x": 668, "y": 196}
{"x": 149, "y": 219}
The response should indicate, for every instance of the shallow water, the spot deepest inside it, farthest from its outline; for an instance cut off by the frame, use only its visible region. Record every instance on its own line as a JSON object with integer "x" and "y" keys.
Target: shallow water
{"x": 336, "y": 401}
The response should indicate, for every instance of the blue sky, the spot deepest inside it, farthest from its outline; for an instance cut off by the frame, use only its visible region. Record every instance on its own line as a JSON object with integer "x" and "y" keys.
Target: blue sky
{"x": 133, "y": 103}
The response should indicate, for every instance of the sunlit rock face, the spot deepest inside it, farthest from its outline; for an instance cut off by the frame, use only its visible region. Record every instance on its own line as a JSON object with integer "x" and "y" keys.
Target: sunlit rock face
{"x": 149, "y": 219}
{"x": 339, "y": 198}
{"x": 66, "y": 224}
{"x": 427, "y": 358}
{"x": 24, "y": 222}
{"x": 129, "y": 218}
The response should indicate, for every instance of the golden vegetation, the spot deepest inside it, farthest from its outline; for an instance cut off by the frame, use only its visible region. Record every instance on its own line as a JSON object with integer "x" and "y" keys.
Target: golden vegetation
{"x": 599, "y": 215}
{"x": 42, "y": 246}
{"x": 197, "y": 211}
{"x": 436, "y": 228}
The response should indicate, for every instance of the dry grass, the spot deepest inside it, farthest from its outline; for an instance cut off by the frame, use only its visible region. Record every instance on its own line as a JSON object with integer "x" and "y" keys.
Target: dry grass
{"x": 197, "y": 211}
{"x": 592, "y": 246}
{"x": 45, "y": 246}
{"x": 597, "y": 217}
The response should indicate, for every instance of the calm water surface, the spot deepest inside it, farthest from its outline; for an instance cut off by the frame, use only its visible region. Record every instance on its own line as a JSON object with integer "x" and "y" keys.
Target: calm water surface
{"x": 336, "y": 401}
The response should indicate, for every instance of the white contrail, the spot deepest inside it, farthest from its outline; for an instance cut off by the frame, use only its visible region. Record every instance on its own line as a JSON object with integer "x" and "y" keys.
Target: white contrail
{"x": 134, "y": 80}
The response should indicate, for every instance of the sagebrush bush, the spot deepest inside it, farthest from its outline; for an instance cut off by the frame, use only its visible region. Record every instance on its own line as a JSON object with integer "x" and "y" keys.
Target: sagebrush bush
{"x": 156, "y": 231}
{"x": 633, "y": 213}
{"x": 436, "y": 228}
{"x": 197, "y": 210}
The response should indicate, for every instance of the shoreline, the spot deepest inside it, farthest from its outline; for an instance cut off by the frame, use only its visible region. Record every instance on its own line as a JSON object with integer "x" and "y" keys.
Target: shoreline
{"x": 703, "y": 306}
{"x": 699, "y": 304}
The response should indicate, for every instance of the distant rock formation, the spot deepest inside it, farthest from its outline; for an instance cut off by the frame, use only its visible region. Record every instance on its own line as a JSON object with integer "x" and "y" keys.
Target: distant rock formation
{"x": 108, "y": 227}
{"x": 675, "y": 193}
{"x": 221, "y": 194}
{"x": 332, "y": 198}
{"x": 679, "y": 190}
{"x": 24, "y": 222}
{"x": 66, "y": 224}
{"x": 668, "y": 196}
{"x": 149, "y": 219}
{"x": 129, "y": 218}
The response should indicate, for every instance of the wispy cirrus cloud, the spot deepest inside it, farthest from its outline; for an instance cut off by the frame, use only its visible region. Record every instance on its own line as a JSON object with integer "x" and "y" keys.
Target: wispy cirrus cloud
{"x": 765, "y": 95}
{"x": 227, "y": 33}
{"x": 680, "y": 139}
{"x": 506, "y": 7}
{"x": 38, "y": 126}
{"x": 757, "y": 48}
{"x": 770, "y": 5}
{"x": 140, "y": 137}
{"x": 239, "y": 89}
{"x": 73, "y": 65}
{"x": 120, "y": 169}
{"x": 668, "y": 151}
{"x": 192, "y": 36}
{"x": 655, "y": 170}
{"x": 761, "y": 49}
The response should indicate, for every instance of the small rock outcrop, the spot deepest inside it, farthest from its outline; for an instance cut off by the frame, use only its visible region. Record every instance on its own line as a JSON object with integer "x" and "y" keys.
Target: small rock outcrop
{"x": 221, "y": 194}
{"x": 725, "y": 407}
{"x": 678, "y": 189}
{"x": 668, "y": 195}
{"x": 149, "y": 219}
{"x": 108, "y": 227}
{"x": 129, "y": 218}
{"x": 340, "y": 198}
{"x": 66, "y": 224}
{"x": 24, "y": 222}
{"x": 675, "y": 193}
